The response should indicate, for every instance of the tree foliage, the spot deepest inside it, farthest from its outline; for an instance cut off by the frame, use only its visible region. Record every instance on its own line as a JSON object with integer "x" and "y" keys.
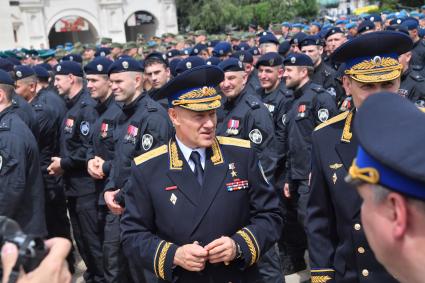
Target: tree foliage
{"x": 217, "y": 15}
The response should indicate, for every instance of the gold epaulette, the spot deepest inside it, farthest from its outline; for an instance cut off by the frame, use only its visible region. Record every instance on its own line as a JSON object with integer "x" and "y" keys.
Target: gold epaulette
{"x": 333, "y": 120}
{"x": 422, "y": 109}
{"x": 234, "y": 141}
{"x": 151, "y": 154}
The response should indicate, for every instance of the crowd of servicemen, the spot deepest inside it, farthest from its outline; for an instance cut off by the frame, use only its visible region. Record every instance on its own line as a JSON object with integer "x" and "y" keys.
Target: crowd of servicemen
{"x": 73, "y": 119}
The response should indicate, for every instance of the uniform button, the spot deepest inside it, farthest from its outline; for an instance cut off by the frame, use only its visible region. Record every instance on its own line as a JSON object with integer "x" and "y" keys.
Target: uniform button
{"x": 357, "y": 226}
{"x": 365, "y": 272}
{"x": 361, "y": 250}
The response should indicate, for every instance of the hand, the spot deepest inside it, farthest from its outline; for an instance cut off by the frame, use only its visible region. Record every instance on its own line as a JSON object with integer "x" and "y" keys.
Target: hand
{"x": 191, "y": 257}
{"x": 94, "y": 168}
{"x": 55, "y": 167}
{"x": 286, "y": 191}
{"x": 222, "y": 249}
{"x": 53, "y": 268}
{"x": 109, "y": 197}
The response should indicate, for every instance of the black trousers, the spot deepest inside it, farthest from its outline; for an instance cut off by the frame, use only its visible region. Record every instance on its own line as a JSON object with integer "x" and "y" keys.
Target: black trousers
{"x": 83, "y": 212}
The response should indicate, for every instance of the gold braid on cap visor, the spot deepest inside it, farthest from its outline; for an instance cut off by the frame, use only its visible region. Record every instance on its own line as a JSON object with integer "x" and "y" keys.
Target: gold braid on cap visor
{"x": 201, "y": 95}
{"x": 367, "y": 174}
{"x": 376, "y": 70}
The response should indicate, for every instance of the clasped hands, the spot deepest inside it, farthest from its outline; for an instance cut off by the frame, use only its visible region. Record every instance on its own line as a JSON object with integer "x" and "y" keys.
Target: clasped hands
{"x": 193, "y": 257}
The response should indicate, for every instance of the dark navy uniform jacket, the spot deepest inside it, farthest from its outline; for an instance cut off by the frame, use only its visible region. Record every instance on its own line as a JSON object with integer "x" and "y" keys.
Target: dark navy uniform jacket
{"x": 21, "y": 184}
{"x": 253, "y": 83}
{"x": 21, "y": 107}
{"x": 311, "y": 106}
{"x": 325, "y": 76}
{"x": 56, "y": 102}
{"x": 412, "y": 86}
{"x": 75, "y": 136}
{"x": 166, "y": 208}
{"x": 247, "y": 118}
{"x": 418, "y": 54}
{"x": 338, "y": 248}
{"x": 102, "y": 142}
{"x": 142, "y": 126}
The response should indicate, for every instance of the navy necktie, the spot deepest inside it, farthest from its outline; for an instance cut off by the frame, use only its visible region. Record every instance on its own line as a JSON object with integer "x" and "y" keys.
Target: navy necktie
{"x": 199, "y": 172}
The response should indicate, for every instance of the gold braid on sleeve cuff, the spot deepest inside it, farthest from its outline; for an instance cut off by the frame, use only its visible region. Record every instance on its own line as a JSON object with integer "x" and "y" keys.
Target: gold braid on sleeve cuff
{"x": 159, "y": 259}
{"x": 322, "y": 275}
{"x": 251, "y": 243}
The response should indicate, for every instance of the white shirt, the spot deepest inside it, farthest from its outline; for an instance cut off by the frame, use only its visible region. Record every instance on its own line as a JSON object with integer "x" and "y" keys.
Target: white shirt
{"x": 187, "y": 151}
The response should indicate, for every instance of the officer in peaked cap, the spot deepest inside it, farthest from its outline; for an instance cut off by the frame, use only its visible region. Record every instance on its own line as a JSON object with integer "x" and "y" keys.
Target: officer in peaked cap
{"x": 311, "y": 105}
{"x": 142, "y": 126}
{"x": 323, "y": 74}
{"x": 75, "y": 134}
{"x": 333, "y": 218}
{"x": 388, "y": 173}
{"x": 199, "y": 177}
{"x": 21, "y": 181}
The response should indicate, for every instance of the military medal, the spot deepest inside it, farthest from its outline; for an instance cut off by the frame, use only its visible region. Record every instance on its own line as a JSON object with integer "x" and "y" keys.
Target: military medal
{"x": 334, "y": 178}
{"x": 173, "y": 199}
{"x": 301, "y": 110}
{"x": 69, "y": 124}
{"x": 131, "y": 134}
{"x": 232, "y": 127}
{"x": 171, "y": 188}
{"x": 104, "y": 130}
{"x": 237, "y": 185}
{"x": 232, "y": 168}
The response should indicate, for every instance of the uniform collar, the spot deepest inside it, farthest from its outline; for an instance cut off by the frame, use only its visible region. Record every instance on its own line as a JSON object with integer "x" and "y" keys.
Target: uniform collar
{"x": 102, "y": 106}
{"x": 187, "y": 151}
{"x": 299, "y": 92}
{"x": 232, "y": 103}
{"x": 71, "y": 101}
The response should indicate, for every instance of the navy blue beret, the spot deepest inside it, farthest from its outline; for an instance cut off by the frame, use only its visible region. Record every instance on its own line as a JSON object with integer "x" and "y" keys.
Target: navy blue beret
{"x": 98, "y": 66}
{"x": 189, "y": 63}
{"x": 284, "y": 47}
{"x": 390, "y": 130}
{"x": 15, "y": 61}
{"x": 270, "y": 59}
{"x": 243, "y": 56}
{"x": 173, "y": 65}
{"x": 298, "y": 59}
{"x": 213, "y": 43}
{"x": 173, "y": 53}
{"x": 399, "y": 28}
{"x": 241, "y": 47}
{"x": 396, "y": 21}
{"x": 222, "y": 48}
{"x": 310, "y": 40}
{"x": 374, "y": 18}
{"x": 125, "y": 65}
{"x": 124, "y": 56}
{"x": 198, "y": 48}
{"x": 23, "y": 71}
{"x": 298, "y": 37}
{"x": 263, "y": 33}
{"x": 410, "y": 23}
{"x": 40, "y": 72}
{"x": 6, "y": 65}
{"x": 332, "y": 31}
{"x": 159, "y": 56}
{"x": 214, "y": 61}
{"x": 5, "y": 78}
{"x": 46, "y": 66}
{"x": 366, "y": 25}
{"x": 186, "y": 51}
{"x": 73, "y": 57}
{"x": 231, "y": 65}
{"x": 254, "y": 51}
{"x": 268, "y": 38}
{"x": 69, "y": 67}
{"x": 102, "y": 51}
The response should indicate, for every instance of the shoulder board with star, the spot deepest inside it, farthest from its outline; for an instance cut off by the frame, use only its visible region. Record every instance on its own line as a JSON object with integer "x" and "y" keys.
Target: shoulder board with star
{"x": 151, "y": 154}
{"x": 234, "y": 141}
{"x": 333, "y": 120}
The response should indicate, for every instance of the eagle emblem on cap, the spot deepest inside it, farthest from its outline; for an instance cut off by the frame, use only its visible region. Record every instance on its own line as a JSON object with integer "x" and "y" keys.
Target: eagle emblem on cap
{"x": 19, "y": 74}
{"x": 188, "y": 65}
{"x": 58, "y": 68}
{"x": 271, "y": 62}
{"x": 293, "y": 60}
{"x": 99, "y": 68}
{"x": 125, "y": 65}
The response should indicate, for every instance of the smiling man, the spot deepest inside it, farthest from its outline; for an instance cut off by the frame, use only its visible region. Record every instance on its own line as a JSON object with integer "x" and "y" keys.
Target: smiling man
{"x": 189, "y": 186}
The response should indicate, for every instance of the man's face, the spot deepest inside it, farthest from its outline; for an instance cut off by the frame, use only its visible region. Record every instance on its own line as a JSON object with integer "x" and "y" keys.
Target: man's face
{"x": 334, "y": 41}
{"x": 269, "y": 76}
{"x": 204, "y": 54}
{"x": 88, "y": 54}
{"x": 124, "y": 85}
{"x": 194, "y": 129}
{"x": 314, "y": 29}
{"x": 268, "y": 47}
{"x": 25, "y": 89}
{"x": 116, "y": 51}
{"x": 295, "y": 48}
{"x": 63, "y": 84}
{"x": 314, "y": 52}
{"x": 98, "y": 85}
{"x": 404, "y": 60}
{"x": 293, "y": 76}
{"x": 360, "y": 91}
{"x": 157, "y": 74}
{"x": 233, "y": 84}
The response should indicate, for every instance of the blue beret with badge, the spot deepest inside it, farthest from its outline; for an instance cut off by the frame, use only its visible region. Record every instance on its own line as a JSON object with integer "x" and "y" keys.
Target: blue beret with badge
{"x": 244, "y": 56}
{"x": 73, "y": 57}
{"x": 373, "y": 57}
{"x": 222, "y": 49}
{"x": 98, "y": 66}
{"x": 396, "y": 21}
{"x": 270, "y": 59}
{"x": 254, "y": 51}
{"x": 231, "y": 65}
{"x": 298, "y": 37}
{"x": 198, "y": 48}
{"x": 365, "y": 25}
{"x": 390, "y": 131}
{"x": 69, "y": 67}
{"x": 22, "y": 72}
{"x": 6, "y": 65}
{"x": 102, "y": 51}
{"x": 46, "y": 66}
{"x": 41, "y": 72}
{"x": 298, "y": 59}
{"x": 157, "y": 56}
{"x": 284, "y": 48}
{"x": 263, "y": 33}
{"x": 214, "y": 61}
{"x": 268, "y": 38}
{"x": 189, "y": 63}
{"x": 173, "y": 65}
{"x": 399, "y": 28}
{"x": 194, "y": 89}
{"x": 310, "y": 40}
{"x": 125, "y": 65}
{"x": 5, "y": 78}
{"x": 332, "y": 31}
{"x": 375, "y": 18}
{"x": 243, "y": 46}
{"x": 213, "y": 43}
{"x": 173, "y": 53}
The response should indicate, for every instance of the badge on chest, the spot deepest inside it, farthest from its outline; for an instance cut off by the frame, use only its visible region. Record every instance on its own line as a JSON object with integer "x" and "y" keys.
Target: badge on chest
{"x": 233, "y": 127}
{"x": 131, "y": 134}
{"x": 69, "y": 125}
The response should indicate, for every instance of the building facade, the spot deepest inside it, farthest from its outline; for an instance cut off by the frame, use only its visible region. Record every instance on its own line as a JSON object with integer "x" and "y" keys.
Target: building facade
{"x": 44, "y": 24}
